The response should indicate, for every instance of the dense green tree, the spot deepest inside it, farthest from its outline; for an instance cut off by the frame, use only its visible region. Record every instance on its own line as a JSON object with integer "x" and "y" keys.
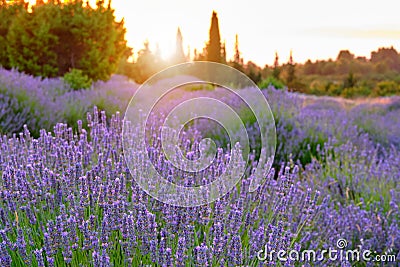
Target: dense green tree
{"x": 103, "y": 42}
{"x": 57, "y": 37}
{"x": 7, "y": 14}
{"x": 31, "y": 42}
{"x": 125, "y": 66}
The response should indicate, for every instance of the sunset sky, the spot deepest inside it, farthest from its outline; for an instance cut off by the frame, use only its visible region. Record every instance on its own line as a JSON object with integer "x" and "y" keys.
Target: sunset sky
{"x": 312, "y": 28}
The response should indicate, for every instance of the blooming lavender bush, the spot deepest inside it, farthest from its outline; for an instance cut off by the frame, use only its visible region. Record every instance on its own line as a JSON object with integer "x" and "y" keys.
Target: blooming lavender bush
{"x": 68, "y": 198}
{"x": 42, "y": 103}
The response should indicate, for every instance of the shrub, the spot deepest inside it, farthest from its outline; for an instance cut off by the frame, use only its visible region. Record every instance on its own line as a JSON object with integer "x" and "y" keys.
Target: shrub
{"x": 356, "y": 91}
{"x": 76, "y": 79}
{"x": 278, "y": 84}
{"x": 386, "y": 88}
{"x": 41, "y": 103}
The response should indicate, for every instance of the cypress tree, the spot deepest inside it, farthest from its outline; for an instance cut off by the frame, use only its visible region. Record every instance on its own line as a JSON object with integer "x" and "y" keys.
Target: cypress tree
{"x": 237, "y": 59}
{"x": 214, "y": 45}
{"x": 179, "y": 56}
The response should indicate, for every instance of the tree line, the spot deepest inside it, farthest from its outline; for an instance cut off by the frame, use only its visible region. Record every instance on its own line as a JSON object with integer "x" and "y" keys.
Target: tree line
{"x": 149, "y": 62}
{"x": 82, "y": 44}
{"x": 351, "y": 76}
{"x": 347, "y": 75}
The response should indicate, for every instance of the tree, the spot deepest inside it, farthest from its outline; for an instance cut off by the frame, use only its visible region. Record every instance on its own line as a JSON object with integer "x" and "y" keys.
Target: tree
{"x": 213, "y": 47}
{"x": 237, "y": 57}
{"x": 388, "y": 58}
{"x": 344, "y": 62}
{"x": 31, "y": 42}
{"x": 7, "y": 14}
{"x": 200, "y": 56}
{"x": 310, "y": 68}
{"x": 253, "y": 71}
{"x": 291, "y": 71}
{"x": 179, "y": 56}
{"x": 223, "y": 53}
{"x": 345, "y": 55}
{"x": 276, "y": 71}
{"x": 237, "y": 62}
{"x": 58, "y": 37}
{"x": 126, "y": 66}
{"x": 147, "y": 64}
{"x": 350, "y": 81}
{"x": 98, "y": 40}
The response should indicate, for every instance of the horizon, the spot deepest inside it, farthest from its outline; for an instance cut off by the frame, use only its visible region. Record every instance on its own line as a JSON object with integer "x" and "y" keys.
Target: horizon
{"x": 361, "y": 27}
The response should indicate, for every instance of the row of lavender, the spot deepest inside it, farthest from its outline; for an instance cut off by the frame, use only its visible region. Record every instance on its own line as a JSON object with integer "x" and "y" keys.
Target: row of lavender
{"x": 67, "y": 198}
{"x": 42, "y": 103}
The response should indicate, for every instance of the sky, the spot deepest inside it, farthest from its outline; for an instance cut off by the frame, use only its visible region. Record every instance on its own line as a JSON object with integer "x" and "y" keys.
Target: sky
{"x": 312, "y": 29}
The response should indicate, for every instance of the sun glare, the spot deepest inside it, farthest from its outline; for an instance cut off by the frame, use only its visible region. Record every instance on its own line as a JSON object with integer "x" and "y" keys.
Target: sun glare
{"x": 263, "y": 28}
{"x": 260, "y": 36}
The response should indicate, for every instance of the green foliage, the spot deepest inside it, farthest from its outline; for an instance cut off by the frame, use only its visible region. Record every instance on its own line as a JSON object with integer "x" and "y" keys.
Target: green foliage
{"x": 349, "y": 76}
{"x": 214, "y": 45}
{"x": 278, "y": 84}
{"x": 76, "y": 79}
{"x": 276, "y": 72}
{"x": 57, "y": 37}
{"x": 386, "y": 88}
{"x": 253, "y": 72}
{"x": 357, "y": 91}
{"x": 97, "y": 42}
{"x": 291, "y": 76}
{"x": 333, "y": 89}
{"x": 7, "y": 13}
{"x": 350, "y": 81}
{"x": 199, "y": 87}
{"x": 31, "y": 44}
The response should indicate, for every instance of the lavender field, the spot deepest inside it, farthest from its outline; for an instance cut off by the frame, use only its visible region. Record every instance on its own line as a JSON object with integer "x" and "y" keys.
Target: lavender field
{"x": 67, "y": 197}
